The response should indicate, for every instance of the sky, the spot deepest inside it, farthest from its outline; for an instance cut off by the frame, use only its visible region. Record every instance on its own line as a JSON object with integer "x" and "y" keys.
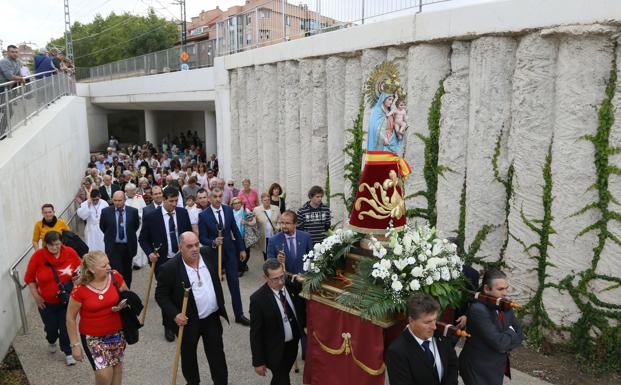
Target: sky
{"x": 38, "y": 21}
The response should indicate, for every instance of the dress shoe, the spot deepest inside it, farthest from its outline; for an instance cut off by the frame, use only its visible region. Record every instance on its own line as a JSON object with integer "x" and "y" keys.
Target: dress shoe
{"x": 242, "y": 321}
{"x": 241, "y": 273}
{"x": 170, "y": 336}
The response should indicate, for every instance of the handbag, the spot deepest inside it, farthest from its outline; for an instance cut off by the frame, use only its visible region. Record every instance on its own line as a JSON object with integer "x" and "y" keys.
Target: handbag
{"x": 129, "y": 314}
{"x": 251, "y": 235}
{"x": 64, "y": 289}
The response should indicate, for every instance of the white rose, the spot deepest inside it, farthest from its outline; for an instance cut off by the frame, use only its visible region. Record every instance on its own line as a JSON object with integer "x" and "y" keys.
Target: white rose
{"x": 417, "y": 271}
{"x": 428, "y": 281}
{"x": 428, "y": 253}
{"x": 394, "y": 277}
{"x": 411, "y": 260}
{"x": 398, "y": 249}
{"x": 451, "y": 247}
{"x": 436, "y": 275}
{"x": 455, "y": 274}
{"x": 317, "y": 247}
{"x": 437, "y": 249}
{"x": 396, "y": 285}
{"x": 414, "y": 285}
{"x": 374, "y": 273}
{"x": 385, "y": 263}
{"x": 446, "y": 276}
{"x": 422, "y": 257}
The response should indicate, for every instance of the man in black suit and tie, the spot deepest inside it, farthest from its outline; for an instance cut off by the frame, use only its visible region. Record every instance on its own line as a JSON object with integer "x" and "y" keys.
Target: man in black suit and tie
{"x": 119, "y": 223}
{"x": 158, "y": 197}
{"x": 159, "y": 236}
{"x": 495, "y": 332}
{"x": 108, "y": 188}
{"x": 416, "y": 357}
{"x": 276, "y": 323}
{"x": 217, "y": 226}
{"x": 194, "y": 268}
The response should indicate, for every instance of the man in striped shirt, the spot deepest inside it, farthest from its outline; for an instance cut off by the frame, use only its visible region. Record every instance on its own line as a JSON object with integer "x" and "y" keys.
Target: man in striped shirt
{"x": 314, "y": 217}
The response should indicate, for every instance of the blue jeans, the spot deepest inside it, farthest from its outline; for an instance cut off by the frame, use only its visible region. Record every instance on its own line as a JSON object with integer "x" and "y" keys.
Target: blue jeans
{"x": 53, "y": 317}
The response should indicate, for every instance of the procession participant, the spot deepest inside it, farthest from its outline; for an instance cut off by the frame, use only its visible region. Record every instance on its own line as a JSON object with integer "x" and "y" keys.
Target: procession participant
{"x": 96, "y": 299}
{"x": 90, "y": 211}
{"x": 217, "y": 227}
{"x": 290, "y": 245}
{"x": 495, "y": 332}
{"x": 202, "y": 202}
{"x": 314, "y": 217}
{"x": 158, "y": 197}
{"x": 276, "y": 323}
{"x": 49, "y": 267}
{"x": 268, "y": 219}
{"x": 159, "y": 237}
{"x": 132, "y": 199}
{"x": 195, "y": 267}
{"x": 416, "y": 357}
{"x": 119, "y": 223}
{"x": 48, "y": 223}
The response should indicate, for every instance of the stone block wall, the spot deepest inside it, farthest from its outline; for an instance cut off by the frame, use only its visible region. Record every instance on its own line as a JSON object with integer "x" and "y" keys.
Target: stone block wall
{"x": 524, "y": 91}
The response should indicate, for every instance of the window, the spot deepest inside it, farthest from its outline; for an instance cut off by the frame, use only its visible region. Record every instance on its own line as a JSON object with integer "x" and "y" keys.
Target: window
{"x": 249, "y": 38}
{"x": 248, "y": 19}
{"x": 264, "y": 34}
{"x": 288, "y": 20}
{"x": 302, "y": 24}
{"x": 265, "y": 13}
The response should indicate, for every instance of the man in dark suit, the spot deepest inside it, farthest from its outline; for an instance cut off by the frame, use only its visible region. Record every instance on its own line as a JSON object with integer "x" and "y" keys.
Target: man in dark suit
{"x": 276, "y": 323}
{"x": 495, "y": 332}
{"x": 159, "y": 236}
{"x": 119, "y": 223}
{"x": 108, "y": 188}
{"x": 416, "y": 357}
{"x": 220, "y": 217}
{"x": 290, "y": 245}
{"x": 213, "y": 164}
{"x": 195, "y": 269}
{"x": 158, "y": 197}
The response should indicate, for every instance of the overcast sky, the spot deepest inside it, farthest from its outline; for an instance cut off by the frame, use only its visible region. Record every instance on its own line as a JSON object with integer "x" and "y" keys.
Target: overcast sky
{"x": 38, "y": 21}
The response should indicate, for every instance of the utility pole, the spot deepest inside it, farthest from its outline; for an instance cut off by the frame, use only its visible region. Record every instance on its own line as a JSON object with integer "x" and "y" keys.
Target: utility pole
{"x": 184, "y": 32}
{"x": 68, "y": 39}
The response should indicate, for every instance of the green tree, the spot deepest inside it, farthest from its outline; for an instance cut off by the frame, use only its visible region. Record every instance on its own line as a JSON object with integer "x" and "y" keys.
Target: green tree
{"x": 117, "y": 37}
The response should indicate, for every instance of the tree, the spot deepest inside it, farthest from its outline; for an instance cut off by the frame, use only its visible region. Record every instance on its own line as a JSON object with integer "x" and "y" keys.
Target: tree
{"x": 118, "y": 37}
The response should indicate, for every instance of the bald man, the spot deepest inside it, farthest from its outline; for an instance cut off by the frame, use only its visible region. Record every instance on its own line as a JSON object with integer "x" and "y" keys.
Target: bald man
{"x": 194, "y": 268}
{"x": 119, "y": 223}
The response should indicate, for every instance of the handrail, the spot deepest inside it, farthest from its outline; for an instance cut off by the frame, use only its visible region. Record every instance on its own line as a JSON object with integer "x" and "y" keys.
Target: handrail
{"x": 15, "y": 274}
{"x": 27, "y": 77}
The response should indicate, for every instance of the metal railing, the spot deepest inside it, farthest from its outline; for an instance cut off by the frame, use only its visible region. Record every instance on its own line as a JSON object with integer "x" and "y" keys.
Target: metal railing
{"x": 19, "y": 101}
{"x": 69, "y": 215}
{"x": 270, "y": 22}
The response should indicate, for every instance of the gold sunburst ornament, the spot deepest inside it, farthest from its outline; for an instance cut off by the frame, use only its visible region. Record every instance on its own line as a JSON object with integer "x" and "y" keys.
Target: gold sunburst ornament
{"x": 384, "y": 78}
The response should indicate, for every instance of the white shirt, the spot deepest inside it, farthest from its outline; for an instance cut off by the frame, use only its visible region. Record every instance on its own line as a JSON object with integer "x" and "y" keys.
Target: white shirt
{"x": 166, "y": 219}
{"x": 285, "y": 319}
{"x": 268, "y": 223}
{"x": 194, "y": 215}
{"x": 215, "y": 214}
{"x": 434, "y": 350}
{"x": 204, "y": 293}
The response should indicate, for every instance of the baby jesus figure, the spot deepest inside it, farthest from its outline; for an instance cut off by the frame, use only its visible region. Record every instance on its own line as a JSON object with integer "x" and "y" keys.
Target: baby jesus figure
{"x": 399, "y": 116}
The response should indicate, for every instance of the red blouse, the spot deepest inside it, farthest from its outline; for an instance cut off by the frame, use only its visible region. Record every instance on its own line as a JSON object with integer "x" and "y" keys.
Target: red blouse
{"x": 66, "y": 265}
{"x": 96, "y": 315}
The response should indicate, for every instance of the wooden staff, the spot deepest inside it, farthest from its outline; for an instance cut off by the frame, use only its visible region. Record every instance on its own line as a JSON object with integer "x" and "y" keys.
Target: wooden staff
{"x": 148, "y": 294}
{"x": 446, "y": 329}
{"x": 503, "y": 303}
{"x": 184, "y": 307}
{"x": 220, "y": 253}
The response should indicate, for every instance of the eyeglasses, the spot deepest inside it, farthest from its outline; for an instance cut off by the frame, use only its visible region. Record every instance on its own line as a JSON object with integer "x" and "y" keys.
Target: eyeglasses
{"x": 231, "y": 184}
{"x": 278, "y": 279}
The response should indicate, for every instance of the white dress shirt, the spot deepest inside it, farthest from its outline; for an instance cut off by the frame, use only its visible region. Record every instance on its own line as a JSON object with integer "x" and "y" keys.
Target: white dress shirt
{"x": 215, "y": 214}
{"x": 202, "y": 289}
{"x": 166, "y": 217}
{"x": 193, "y": 213}
{"x": 285, "y": 319}
{"x": 434, "y": 351}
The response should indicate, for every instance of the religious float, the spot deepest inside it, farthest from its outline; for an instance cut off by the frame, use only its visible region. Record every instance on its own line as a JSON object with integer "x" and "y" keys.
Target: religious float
{"x": 358, "y": 280}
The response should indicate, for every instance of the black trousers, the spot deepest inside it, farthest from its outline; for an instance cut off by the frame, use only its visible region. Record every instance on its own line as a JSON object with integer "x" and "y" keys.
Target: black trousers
{"x": 53, "y": 317}
{"x": 281, "y": 372}
{"x": 210, "y": 330}
{"x": 121, "y": 261}
{"x": 243, "y": 266}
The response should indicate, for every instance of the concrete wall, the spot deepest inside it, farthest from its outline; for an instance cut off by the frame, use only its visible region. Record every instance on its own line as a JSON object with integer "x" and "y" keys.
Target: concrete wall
{"x": 42, "y": 163}
{"x": 514, "y": 70}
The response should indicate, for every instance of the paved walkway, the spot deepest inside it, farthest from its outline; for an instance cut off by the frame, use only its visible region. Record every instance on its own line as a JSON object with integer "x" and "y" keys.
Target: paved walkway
{"x": 150, "y": 360}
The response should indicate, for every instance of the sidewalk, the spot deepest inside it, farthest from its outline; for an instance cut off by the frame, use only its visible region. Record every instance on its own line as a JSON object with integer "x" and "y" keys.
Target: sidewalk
{"x": 150, "y": 360}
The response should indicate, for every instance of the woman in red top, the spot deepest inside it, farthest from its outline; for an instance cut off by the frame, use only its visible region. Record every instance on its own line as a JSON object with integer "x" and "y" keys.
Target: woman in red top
{"x": 96, "y": 299}
{"x": 44, "y": 288}
{"x": 248, "y": 196}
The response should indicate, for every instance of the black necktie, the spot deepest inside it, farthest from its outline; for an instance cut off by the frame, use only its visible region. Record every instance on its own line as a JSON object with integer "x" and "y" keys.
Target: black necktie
{"x": 219, "y": 220}
{"x": 173, "y": 233}
{"x": 289, "y": 313}
{"x": 120, "y": 228}
{"x": 431, "y": 359}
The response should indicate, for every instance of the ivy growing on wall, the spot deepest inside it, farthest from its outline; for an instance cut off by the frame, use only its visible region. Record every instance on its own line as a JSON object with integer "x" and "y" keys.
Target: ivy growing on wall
{"x": 507, "y": 182}
{"x": 594, "y": 337}
{"x": 540, "y": 320}
{"x": 355, "y": 152}
{"x": 431, "y": 169}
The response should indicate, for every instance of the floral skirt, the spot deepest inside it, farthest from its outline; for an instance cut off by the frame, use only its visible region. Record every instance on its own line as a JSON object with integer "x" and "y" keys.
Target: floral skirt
{"x": 105, "y": 351}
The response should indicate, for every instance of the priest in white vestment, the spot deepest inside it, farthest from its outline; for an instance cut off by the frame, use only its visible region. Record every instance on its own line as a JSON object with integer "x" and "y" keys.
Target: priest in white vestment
{"x": 90, "y": 211}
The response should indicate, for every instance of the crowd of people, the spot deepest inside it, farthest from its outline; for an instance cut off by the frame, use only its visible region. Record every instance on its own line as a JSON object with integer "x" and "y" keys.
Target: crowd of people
{"x": 169, "y": 207}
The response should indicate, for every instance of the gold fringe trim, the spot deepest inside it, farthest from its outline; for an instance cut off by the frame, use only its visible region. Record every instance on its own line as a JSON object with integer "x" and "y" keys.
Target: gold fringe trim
{"x": 347, "y": 349}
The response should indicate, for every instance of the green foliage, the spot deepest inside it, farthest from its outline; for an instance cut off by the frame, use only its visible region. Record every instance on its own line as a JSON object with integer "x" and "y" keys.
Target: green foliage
{"x": 327, "y": 184}
{"x": 508, "y": 184}
{"x": 535, "y": 307}
{"x": 431, "y": 168}
{"x": 595, "y": 339}
{"x": 116, "y": 37}
{"x": 355, "y": 152}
